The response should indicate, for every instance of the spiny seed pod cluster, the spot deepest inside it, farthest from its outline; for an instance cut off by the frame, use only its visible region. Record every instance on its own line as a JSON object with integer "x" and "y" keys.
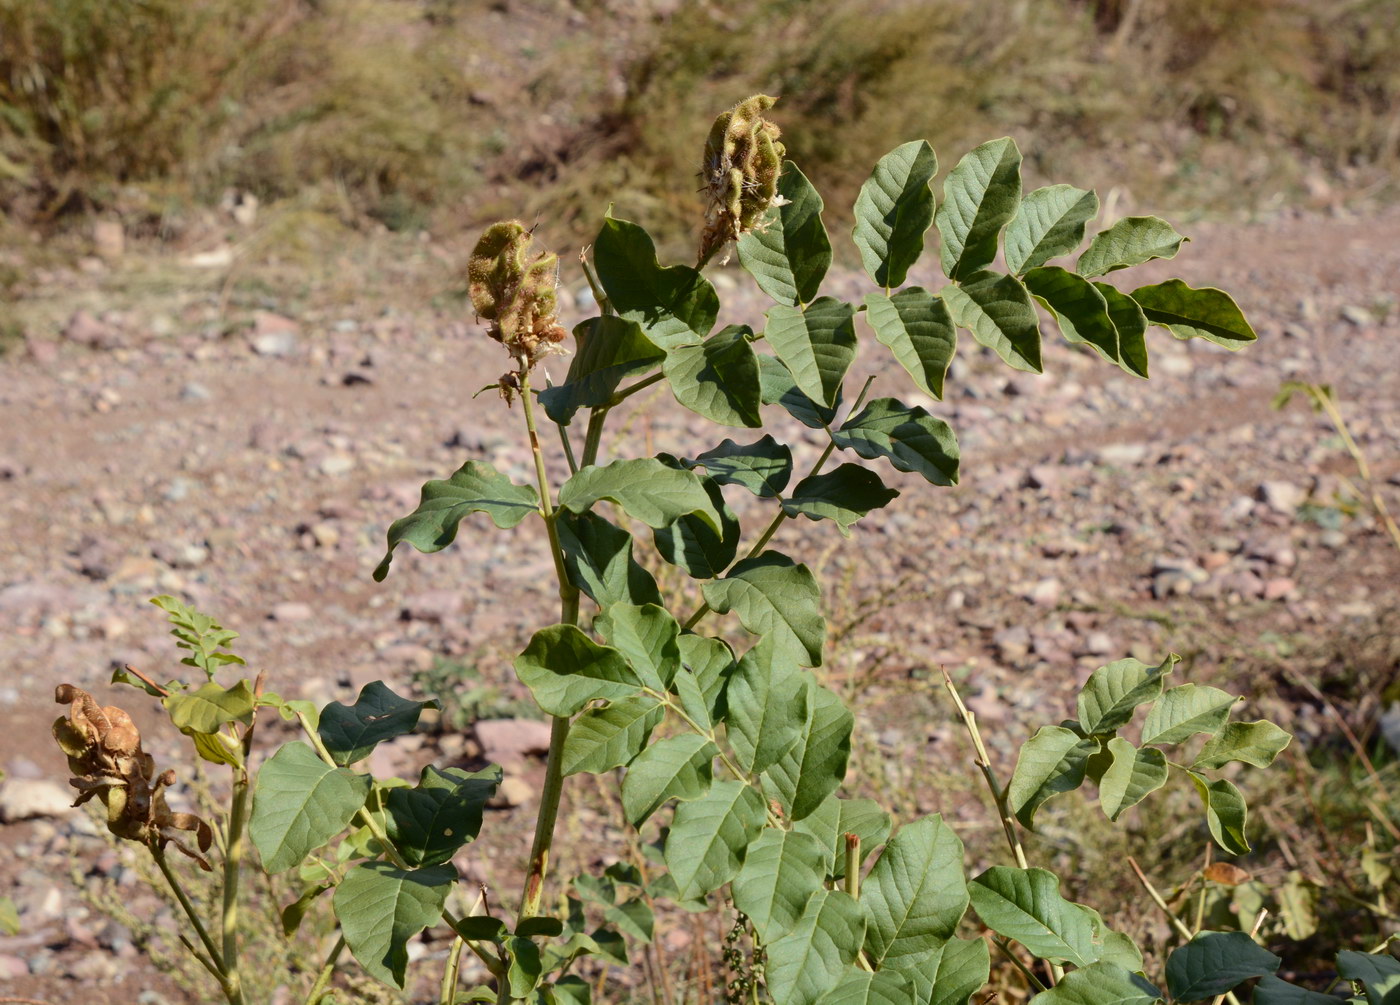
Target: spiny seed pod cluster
{"x": 514, "y": 290}
{"x": 104, "y": 753}
{"x": 740, "y": 172}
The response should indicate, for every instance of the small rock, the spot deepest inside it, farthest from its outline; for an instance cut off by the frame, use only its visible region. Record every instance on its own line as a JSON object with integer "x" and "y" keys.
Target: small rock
{"x": 292, "y": 611}
{"x": 85, "y": 329}
{"x": 510, "y": 741}
{"x": 1013, "y": 644}
{"x": 1122, "y": 455}
{"x": 1098, "y": 644}
{"x": 325, "y": 535}
{"x": 1246, "y": 584}
{"x": 1282, "y": 497}
{"x": 513, "y": 791}
{"x": 108, "y": 239}
{"x": 335, "y": 465}
{"x": 1360, "y": 317}
{"x": 433, "y": 605}
{"x": 95, "y": 966}
{"x": 27, "y": 798}
{"x": 1279, "y": 589}
{"x": 194, "y": 391}
{"x": 268, "y": 323}
{"x": 1045, "y": 593}
{"x": 1043, "y": 476}
{"x": 12, "y": 967}
{"x": 275, "y": 344}
{"x": 1171, "y": 583}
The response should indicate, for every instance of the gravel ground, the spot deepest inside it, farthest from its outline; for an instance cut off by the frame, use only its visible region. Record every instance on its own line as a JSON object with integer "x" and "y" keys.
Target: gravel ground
{"x": 254, "y": 473}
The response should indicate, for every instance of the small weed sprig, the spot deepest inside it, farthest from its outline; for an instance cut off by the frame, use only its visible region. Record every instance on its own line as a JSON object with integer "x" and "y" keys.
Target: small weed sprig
{"x": 732, "y": 757}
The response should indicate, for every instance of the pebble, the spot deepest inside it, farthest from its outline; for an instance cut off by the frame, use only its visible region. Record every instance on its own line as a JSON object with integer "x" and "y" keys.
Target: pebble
{"x": 510, "y": 741}
{"x": 1282, "y": 497}
{"x": 1122, "y": 455}
{"x": 194, "y": 391}
{"x": 335, "y": 465}
{"x": 12, "y": 967}
{"x": 513, "y": 791}
{"x": 292, "y": 611}
{"x": 27, "y": 798}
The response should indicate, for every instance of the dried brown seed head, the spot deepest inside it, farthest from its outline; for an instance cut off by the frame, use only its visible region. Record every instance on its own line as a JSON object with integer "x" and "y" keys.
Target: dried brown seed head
{"x": 514, "y": 290}
{"x": 739, "y": 174}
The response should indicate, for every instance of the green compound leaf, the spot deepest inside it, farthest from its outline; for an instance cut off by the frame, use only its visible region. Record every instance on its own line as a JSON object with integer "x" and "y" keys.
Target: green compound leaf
{"x": 1378, "y": 973}
{"x": 915, "y": 326}
{"x": 1256, "y": 743}
{"x": 210, "y": 707}
{"x": 768, "y": 707}
{"x": 1131, "y": 241}
{"x": 816, "y": 766}
{"x": 909, "y": 438}
{"x": 678, "y": 767}
{"x": 565, "y": 670}
{"x": 598, "y": 559}
{"x": 718, "y": 378}
{"x": 764, "y": 467}
{"x": 1205, "y": 313}
{"x": 1049, "y": 223}
{"x": 1101, "y": 983}
{"x": 788, "y": 253}
{"x": 197, "y": 633}
{"x": 1079, "y": 309}
{"x": 844, "y": 495}
{"x": 1215, "y": 962}
{"x": 1112, "y": 693}
{"x": 380, "y": 908}
{"x": 608, "y": 350}
{"x": 774, "y": 596}
{"x": 300, "y": 802}
{"x": 1025, "y": 905}
{"x": 350, "y": 732}
{"x": 710, "y": 663}
{"x": 675, "y": 306}
{"x": 834, "y": 818}
{"x": 777, "y": 881}
{"x": 780, "y": 389}
{"x": 430, "y": 821}
{"x": 1272, "y": 991}
{"x": 998, "y": 311}
{"x": 646, "y": 488}
{"x": 1226, "y": 813}
{"x": 476, "y": 487}
{"x": 608, "y": 737}
{"x": 893, "y": 210}
{"x": 647, "y": 638}
{"x": 692, "y": 545}
{"x": 706, "y": 845}
{"x": 1131, "y": 325}
{"x": 1184, "y": 711}
{"x": 817, "y": 345}
{"x": 915, "y": 894}
{"x": 887, "y": 987}
{"x": 811, "y": 959}
{"x": 1130, "y": 777}
{"x": 1051, "y": 762}
{"x": 980, "y": 196}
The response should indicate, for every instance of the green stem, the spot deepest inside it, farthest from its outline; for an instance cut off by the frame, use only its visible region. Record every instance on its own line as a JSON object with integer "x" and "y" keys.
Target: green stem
{"x": 852, "y": 880}
{"x": 451, "y": 975}
{"x": 174, "y": 883}
{"x": 233, "y": 859}
{"x": 620, "y": 396}
{"x": 323, "y": 978}
{"x": 1006, "y": 951}
{"x": 593, "y": 438}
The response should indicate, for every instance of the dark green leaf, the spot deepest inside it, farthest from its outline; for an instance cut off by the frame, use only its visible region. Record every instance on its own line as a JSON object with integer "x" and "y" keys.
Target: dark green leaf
{"x": 817, "y": 345}
{"x": 647, "y": 490}
{"x": 1132, "y": 775}
{"x": 916, "y": 326}
{"x": 915, "y": 894}
{"x": 764, "y": 467}
{"x": 1078, "y": 308}
{"x": 1379, "y": 974}
{"x": 780, "y": 389}
{"x": 1272, "y": 991}
{"x": 1100, "y": 983}
{"x": 523, "y": 969}
{"x": 844, "y": 495}
{"x": 718, "y": 378}
{"x": 675, "y": 306}
{"x": 1025, "y": 905}
{"x": 834, "y": 818}
{"x": 1049, "y": 223}
{"x": 295, "y": 912}
{"x": 647, "y": 638}
{"x": 550, "y": 928}
{"x": 1051, "y": 762}
{"x": 1131, "y": 325}
{"x": 481, "y": 928}
{"x": 476, "y": 487}
{"x": 956, "y": 971}
{"x": 350, "y": 732}
{"x": 768, "y": 698}
{"x": 1226, "y": 813}
{"x": 777, "y": 881}
{"x": 692, "y": 545}
{"x": 909, "y": 438}
{"x": 706, "y": 845}
{"x": 893, "y": 210}
{"x": 598, "y": 558}
{"x": 980, "y": 196}
{"x": 565, "y": 670}
{"x": 788, "y": 253}
{"x": 860, "y": 987}
{"x": 608, "y": 737}
{"x": 1131, "y": 241}
{"x": 774, "y": 596}
{"x": 1256, "y": 743}
{"x": 678, "y": 767}
{"x": 301, "y": 802}
{"x": 607, "y": 350}
{"x": 1112, "y": 693}
{"x": 1215, "y": 962}
{"x": 815, "y": 768}
{"x": 811, "y": 959}
{"x": 380, "y": 908}
{"x": 711, "y": 662}
{"x": 430, "y": 821}
{"x": 1205, "y": 313}
{"x": 999, "y": 313}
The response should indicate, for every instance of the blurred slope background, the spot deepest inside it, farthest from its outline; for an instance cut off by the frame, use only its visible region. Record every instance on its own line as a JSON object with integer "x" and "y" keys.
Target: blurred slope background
{"x": 442, "y": 114}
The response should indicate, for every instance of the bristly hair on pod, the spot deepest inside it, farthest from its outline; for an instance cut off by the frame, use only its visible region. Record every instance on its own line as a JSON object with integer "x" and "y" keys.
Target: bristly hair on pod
{"x": 739, "y": 176}
{"x": 514, "y": 291}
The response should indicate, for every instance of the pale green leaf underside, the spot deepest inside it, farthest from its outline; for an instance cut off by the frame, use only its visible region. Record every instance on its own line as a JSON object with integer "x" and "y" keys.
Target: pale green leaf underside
{"x": 998, "y": 311}
{"x": 893, "y": 211}
{"x": 1049, "y": 223}
{"x": 645, "y": 488}
{"x": 380, "y": 908}
{"x": 915, "y": 326}
{"x": 299, "y": 804}
{"x": 789, "y": 252}
{"x": 1026, "y": 905}
{"x": 817, "y": 345}
{"x": 980, "y": 196}
{"x": 1131, "y": 241}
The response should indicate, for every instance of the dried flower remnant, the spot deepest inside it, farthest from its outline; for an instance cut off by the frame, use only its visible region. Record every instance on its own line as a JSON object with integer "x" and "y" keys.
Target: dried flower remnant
{"x": 739, "y": 175}
{"x": 515, "y": 291}
{"x": 104, "y": 753}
